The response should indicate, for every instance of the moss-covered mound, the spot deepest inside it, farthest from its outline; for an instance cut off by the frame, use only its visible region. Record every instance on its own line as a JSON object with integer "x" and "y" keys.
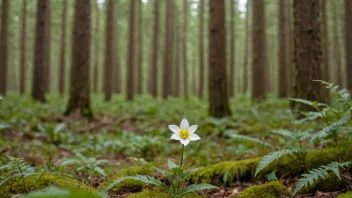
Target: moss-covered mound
{"x": 54, "y": 192}
{"x": 243, "y": 170}
{"x": 345, "y": 195}
{"x": 331, "y": 183}
{"x": 158, "y": 194}
{"x": 38, "y": 181}
{"x": 272, "y": 189}
{"x": 128, "y": 185}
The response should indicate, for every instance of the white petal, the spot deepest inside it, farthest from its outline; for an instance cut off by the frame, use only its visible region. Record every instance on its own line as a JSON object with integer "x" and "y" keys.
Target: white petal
{"x": 184, "y": 142}
{"x": 174, "y": 128}
{"x": 175, "y": 137}
{"x": 193, "y": 128}
{"x": 194, "y": 137}
{"x": 184, "y": 124}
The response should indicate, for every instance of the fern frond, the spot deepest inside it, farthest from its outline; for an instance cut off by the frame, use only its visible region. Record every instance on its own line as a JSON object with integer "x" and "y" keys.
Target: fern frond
{"x": 314, "y": 174}
{"x": 308, "y": 102}
{"x": 285, "y": 133}
{"x": 246, "y": 138}
{"x": 329, "y": 129}
{"x": 269, "y": 158}
{"x": 197, "y": 187}
{"x": 186, "y": 173}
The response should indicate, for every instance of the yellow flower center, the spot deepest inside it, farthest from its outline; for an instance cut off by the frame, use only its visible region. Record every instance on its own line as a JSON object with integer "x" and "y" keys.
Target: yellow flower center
{"x": 184, "y": 134}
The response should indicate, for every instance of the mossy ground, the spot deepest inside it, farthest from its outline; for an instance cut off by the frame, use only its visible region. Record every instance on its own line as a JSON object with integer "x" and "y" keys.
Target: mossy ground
{"x": 15, "y": 186}
{"x": 158, "y": 194}
{"x": 273, "y": 189}
{"x": 345, "y": 195}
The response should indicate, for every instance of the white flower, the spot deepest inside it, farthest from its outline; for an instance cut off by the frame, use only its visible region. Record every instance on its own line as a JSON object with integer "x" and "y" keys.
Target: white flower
{"x": 184, "y": 133}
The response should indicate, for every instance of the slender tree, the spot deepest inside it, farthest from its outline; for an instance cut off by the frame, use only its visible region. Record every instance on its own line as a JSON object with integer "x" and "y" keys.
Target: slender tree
{"x": 177, "y": 70}
{"x": 290, "y": 69}
{"x": 117, "y": 73}
{"x": 348, "y": 34}
{"x": 201, "y": 49}
{"x": 325, "y": 41}
{"x": 62, "y": 60}
{"x": 23, "y": 63}
{"x": 259, "y": 54}
{"x": 79, "y": 102}
{"x": 39, "y": 67}
{"x": 218, "y": 90}
{"x": 283, "y": 49}
{"x": 4, "y": 46}
{"x": 155, "y": 55}
{"x": 337, "y": 48}
{"x": 168, "y": 50}
{"x": 97, "y": 49}
{"x": 307, "y": 52}
{"x": 109, "y": 52}
{"x": 184, "y": 48}
{"x": 232, "y": 80}
{"x": 246, "y": 51}
{"x": 131, "y": 52}
{"x": 140, "y": 48}
{"x": 47, "y": 56}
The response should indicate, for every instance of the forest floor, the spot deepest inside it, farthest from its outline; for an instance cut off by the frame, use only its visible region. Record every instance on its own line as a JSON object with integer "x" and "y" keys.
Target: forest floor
{"x": 125, "y": 135}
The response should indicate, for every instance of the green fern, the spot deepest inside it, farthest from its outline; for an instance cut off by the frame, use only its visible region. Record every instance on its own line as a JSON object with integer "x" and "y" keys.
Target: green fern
{"x": 329, "y": 129}
{"x": 285, "y": 133}
{"x": 197, "y": 187}
{"x": 314, "y": 174}
{"x": 269, "y": 158}
{"x": 17, "y": 167}
{"x": 246, "y": 138}
{"x": 309, "y": 103}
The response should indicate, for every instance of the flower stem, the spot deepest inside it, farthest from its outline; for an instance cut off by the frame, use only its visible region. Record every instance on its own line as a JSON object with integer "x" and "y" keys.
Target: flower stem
{"x": 183, "y": 149}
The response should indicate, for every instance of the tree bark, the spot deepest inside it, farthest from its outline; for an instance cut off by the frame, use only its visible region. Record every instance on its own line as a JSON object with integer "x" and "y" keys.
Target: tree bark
{"x": 97, "y": 49}
{"x": 23, "y": 63}
{"x": 283, "y": 49}
{"x": 79, "y": 102}
{"x": 307, "y": 52}
{"x": 140, "y": 48}
{"x": 232, "y": 80}
{"x": 47, "y": 56}
{"x": 348, "y": 34}
{"x": 201, "y": 49}
{"x": 117, "y": 67}
{"x": 62, "y": 61}
{"x": 177, "y": 67}
{"x": 39, "y": 67}
{"x": 131, "y": 52}
{"x": 325, "y": 41}
{"x": 184, "y": 48}
{"x": 259, "y": 55}
{"x": 246, "y": 52}
{"x": 109, "y": 50}
{"x": 155, "y": 56}
{"x": 168, "y": 50}
{"x": 218, "y": 90}
{"x": 290, "y": 69}
{"x": 337, "y": 48}
{"x": 4, "y": 46}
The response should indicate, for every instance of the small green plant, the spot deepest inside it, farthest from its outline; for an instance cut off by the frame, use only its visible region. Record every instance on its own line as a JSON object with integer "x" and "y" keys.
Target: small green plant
{"x": 176, "y": 174}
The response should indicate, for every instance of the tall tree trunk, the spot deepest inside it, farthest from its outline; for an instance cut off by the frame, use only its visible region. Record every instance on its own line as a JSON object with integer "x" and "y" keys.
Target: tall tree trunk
{"x": 348, "y": 34}
{"x": 184, "y": 48}
{"x": 337, "y": 48}
{"x": 155, "y": 56}
{"x": 307, "y": 52}
{"x": 325, "y": 46}
{"x": 167, "y": 75}
{"x": 4, "y": 46}
{"x": 140, "y": 48}
{"x": 39, "y": 67}
{"x": 283, "y": 48}
{"x": 97, "y": 49}
{"x": 201, "y": 49}
{"x": 290, "y": 70}
{"x": 109, "y": 49}
{"x": 177, "y": 70}
{"x": 232, "y": 80}
{"x": 117, "y": 67}
{"x": 131, "y": 52}
{"x": 79, "y": 102}
{"x": 246, "y": 52}
{"x": 47, "y": 56}
{"x": 23, "y": 45}
{"x": 218, "y": 90}
{"x": 259, "y": 55}
{"x": 62, "y": 61}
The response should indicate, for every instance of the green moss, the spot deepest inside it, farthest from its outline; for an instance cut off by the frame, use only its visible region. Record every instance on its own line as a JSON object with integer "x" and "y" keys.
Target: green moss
{"x": 54, "y": 192}
{"x": 331, "y": 183}
{"x": 158, "y": 194}
{"x": 38, "y": 181}
{"x": 345, "y": 195}
{"x": 217, "y": 173}
{"x": 128, "y": 185}
{"x": 272, "y": 189}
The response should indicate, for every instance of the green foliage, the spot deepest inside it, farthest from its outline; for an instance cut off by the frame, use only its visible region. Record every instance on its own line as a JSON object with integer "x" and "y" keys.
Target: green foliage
{"x": 232, "y": 135}
{"x": 273, "y": 189}
{"x": 345, "y": 195}
{"x": 16, "y": 167}
{"x": 55, "y": 192}
{"x": 314, "y": 174}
